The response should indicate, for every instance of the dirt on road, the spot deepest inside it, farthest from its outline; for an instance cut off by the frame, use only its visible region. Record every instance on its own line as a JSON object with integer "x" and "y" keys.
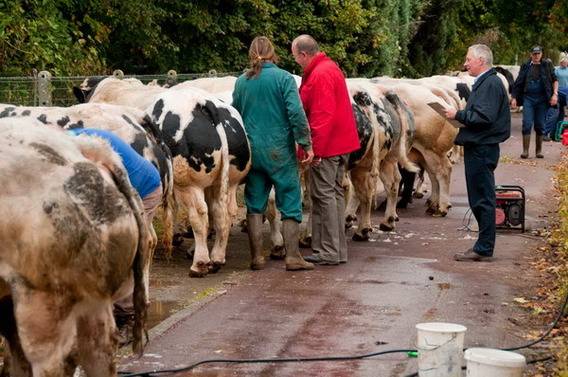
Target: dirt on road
{"x": 354, "y": 312}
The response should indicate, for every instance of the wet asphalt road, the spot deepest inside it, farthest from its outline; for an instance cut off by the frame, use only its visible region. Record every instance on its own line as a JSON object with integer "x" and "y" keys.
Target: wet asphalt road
{"x": 369, "y": 305}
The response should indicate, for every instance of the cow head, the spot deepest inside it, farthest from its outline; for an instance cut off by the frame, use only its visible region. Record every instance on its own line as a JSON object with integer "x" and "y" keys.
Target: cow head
{"x": 84, "y": 91}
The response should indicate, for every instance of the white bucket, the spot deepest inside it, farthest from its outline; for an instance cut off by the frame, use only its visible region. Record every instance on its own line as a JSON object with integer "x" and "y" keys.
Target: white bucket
{"x": 440, "y": 349}
{"x": 488, "y": 362}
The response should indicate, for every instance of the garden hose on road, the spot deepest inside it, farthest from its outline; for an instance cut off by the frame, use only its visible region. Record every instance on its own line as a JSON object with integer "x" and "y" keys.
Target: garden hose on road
{"x": 561, "y": 310}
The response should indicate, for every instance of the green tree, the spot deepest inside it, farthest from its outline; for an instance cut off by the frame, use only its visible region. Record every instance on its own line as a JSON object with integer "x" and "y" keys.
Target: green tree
{"x": 438, "y": 31}
{"x": 36, "y": 35}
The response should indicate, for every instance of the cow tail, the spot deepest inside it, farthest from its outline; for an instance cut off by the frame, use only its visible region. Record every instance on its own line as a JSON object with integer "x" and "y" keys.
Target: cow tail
{"x": 404, "y": 144}
{"x": 166, "y": 143}
{"x": 168, "y": 199}
{"x": 141, "y": 258}
{"x": 376, "y": 163}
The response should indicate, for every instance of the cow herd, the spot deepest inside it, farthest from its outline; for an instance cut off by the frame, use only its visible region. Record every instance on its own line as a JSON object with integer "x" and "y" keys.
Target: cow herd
{"x": 73, "y": 236}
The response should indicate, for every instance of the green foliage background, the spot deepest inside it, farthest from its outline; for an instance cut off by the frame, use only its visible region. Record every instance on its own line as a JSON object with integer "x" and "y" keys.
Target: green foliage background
{"x": 366, "y": 37}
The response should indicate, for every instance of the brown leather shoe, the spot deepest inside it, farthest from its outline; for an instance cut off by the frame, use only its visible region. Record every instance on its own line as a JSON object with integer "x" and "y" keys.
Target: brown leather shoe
{"x": 472, "y": 256}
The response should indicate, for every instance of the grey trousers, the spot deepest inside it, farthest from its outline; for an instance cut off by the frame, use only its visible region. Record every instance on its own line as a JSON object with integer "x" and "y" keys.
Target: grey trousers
{"x": 328, "y": 208}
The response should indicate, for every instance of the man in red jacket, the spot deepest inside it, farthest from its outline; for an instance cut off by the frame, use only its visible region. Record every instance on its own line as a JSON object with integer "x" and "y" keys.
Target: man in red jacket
{"x": 327, "y": 105}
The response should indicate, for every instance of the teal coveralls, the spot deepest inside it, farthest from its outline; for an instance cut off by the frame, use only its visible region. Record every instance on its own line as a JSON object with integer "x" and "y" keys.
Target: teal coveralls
{"x": 275, "y": 121}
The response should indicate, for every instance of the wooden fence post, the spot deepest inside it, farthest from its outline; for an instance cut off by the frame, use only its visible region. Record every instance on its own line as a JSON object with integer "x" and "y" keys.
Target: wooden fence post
{"x": 44, "y": 88}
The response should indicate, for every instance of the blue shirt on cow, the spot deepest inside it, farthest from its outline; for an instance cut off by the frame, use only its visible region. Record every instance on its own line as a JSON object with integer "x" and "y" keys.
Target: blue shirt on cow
{"x": 143, "y": 176}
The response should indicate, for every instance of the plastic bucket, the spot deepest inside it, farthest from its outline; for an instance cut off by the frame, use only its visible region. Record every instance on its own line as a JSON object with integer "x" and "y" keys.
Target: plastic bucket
{"x": 440, "y": 349}
{"x": 488, "y": 362}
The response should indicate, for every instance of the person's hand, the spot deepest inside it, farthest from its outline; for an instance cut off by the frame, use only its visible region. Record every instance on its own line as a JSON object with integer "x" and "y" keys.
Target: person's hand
{"x": 309, "y": 156}
{"x": 514, "y": 104}
{"x": 554, "y": 100}
{"x": 450, "y": 113}
{"x": 316, "y": 161}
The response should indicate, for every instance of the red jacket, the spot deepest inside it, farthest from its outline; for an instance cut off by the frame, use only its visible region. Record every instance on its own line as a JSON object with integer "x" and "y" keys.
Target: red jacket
{"x": 327, "y": 104}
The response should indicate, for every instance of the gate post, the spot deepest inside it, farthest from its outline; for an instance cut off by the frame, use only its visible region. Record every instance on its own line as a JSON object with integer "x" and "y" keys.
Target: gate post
{"x": 44, "y": 88}
{"x": 171, "y": 78}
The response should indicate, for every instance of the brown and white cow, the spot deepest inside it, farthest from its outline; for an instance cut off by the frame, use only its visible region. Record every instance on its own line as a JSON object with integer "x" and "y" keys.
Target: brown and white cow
{"x": 73, "y": 241}
{"x": 433, "y": 139}
{"x": 210, "y": 149}
{"x": 131, "y": 125}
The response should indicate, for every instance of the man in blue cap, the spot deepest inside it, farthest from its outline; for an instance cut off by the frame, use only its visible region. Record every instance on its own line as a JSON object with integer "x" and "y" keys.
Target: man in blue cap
{"x": 536, "y": 89}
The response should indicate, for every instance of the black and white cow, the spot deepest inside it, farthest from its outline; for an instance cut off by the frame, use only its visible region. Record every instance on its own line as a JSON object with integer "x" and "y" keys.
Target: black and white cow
{"x": 211, "y": 154}
{"x": 131, "y": 125}
{"x": 382, "y": 150}
{"x": 73, "y": 241}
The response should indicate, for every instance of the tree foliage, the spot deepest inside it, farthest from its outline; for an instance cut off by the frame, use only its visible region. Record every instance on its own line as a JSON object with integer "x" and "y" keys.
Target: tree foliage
{"x": 366, "y": 37}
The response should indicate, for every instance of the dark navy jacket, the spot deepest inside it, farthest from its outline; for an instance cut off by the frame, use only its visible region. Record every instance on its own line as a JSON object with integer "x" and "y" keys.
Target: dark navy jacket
{"x": 547, "y": 76}
{"x": 487, "y": 117}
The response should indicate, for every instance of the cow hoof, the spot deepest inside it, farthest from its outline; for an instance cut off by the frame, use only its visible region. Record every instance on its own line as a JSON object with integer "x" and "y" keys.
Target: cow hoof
{"x": 196, "y": 274}
{"x": 440, "y": 213}
{"x": 177, "y": 239}
{"x": 278, "y": 253}
{"x": 257, "y": 266}
{"x": 306, "y": 243}
{"x": 198, "y": 270}
{"x": 430, "y": 211}
{"x": 386, "y": 227}
{"x": 214, "y": 267}
{"x": 350, "y": 218}
{"x": 360, "y": 237}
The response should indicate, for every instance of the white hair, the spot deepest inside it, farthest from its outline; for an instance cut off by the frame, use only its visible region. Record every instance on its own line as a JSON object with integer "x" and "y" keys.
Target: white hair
{"x": 482, "y": 51}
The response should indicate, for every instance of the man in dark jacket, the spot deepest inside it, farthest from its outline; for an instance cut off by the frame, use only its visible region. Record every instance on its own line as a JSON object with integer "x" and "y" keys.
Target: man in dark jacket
{"x": 536, "y": 89}
{"x": 487, "y": 122}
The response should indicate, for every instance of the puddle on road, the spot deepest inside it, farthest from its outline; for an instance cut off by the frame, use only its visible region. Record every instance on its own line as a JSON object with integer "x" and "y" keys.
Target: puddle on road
{"x": 159, "y": 311}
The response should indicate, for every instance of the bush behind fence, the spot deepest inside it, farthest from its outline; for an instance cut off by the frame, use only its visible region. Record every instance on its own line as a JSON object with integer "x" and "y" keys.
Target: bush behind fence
{"x": 43, "y": 89}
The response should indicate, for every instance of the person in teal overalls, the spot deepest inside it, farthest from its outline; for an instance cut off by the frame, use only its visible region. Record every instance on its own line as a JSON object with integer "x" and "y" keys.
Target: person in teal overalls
{"x": 268, "y": 100}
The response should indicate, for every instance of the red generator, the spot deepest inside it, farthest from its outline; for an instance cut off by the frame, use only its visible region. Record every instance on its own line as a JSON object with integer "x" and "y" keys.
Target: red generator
{"x": 510, "y": 209}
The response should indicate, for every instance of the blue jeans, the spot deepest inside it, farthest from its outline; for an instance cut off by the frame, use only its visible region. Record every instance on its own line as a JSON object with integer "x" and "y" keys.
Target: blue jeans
{"x": 534, "y": 113}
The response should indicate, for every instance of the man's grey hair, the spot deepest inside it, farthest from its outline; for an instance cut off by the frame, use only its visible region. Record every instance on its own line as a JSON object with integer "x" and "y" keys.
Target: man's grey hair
{"x": 482, "y": 51}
